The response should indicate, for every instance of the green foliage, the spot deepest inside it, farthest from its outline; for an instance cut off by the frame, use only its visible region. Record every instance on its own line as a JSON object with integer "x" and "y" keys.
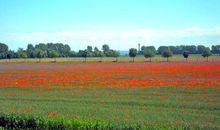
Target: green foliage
{"x": 151, "y": 48}
{"x": 132, "y": 53}
{"x": 186, "y": 54}
{"x": 116, "y": 54}
{"x": 22, "y": 121}
{"x": 206, "y": 53}
{"x": 149, "y": 54}
{"x": 30, "y": 47}
{"x": 89, "y": 48}
{"x": 201, "y": 49}
{"x": 167, "y": 53}
{"x": 38, "y": 53}
{"x": 216, "y": 49}
{"x": 22, "y": 53}
{"x": 10, "y": 54}
{"x": 161, "y": 49}
{"x": 64, "y": 50}
{"x": 3, "y": 48}
{"x": 85, "y": 54}
{"x": 105, "y": 48}
{"x": 54, "y": 54}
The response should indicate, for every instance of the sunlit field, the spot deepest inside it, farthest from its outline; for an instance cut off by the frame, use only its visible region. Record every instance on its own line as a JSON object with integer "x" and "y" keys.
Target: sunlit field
{"x": 157, "y": 58}
{"x": 141, "y": 95}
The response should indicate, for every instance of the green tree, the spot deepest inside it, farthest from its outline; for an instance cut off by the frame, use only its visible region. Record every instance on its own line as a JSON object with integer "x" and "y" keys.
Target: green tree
{"x": 99, "y": 54}
{"x": 167, "y": 53}
{"x": 39, "y": 54}
{"x": 96, "y": 49}
{"x": 72, "y": 54}
{"x": 152, "y": 48}
{"x": 116, "y": 54}
{"x": 105, "y": 48}
{"x": 186, "y": 55}
{"x": 10, "y": 55}
{"x": 133, "y": 53}
{"x": 200, "y": 49}
{"x": 89, "y": 48}
{"x": 54, "y": 54}
{"x": 109, "y": 53}
{"x": 216, "y": 49}
{"x": 30, "y": 50}
{"x": 22, "y": 54}
{"x": 30, "y": 47}
{"x": 161, "y": 49}
{"x": 206, "y": 53}
{"x": 149, "y": 54}
{"x": 85, "y": 54}
{"x": 3, "y": 50}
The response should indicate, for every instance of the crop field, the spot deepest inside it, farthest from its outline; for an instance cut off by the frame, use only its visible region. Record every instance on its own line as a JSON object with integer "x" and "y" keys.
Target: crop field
{"x": 157, "y": 58}
{"x": 141, "y": 95}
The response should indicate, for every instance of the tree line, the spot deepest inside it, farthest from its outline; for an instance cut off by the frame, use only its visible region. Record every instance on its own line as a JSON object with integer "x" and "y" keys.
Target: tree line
{"x": 168, "y": 51}
{"x": 54, "y": 50}
{"x": 192, "y": 49}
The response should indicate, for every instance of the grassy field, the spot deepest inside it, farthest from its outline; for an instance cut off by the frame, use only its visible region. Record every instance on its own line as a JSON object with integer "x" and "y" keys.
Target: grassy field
{"x": 156, "y": 107}
{"x": 157, "y": 58}
{"x": 156, "y": 95}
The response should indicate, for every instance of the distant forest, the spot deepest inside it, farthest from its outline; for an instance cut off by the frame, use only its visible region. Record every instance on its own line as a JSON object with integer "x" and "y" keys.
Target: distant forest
{"x": 53, "y": 50}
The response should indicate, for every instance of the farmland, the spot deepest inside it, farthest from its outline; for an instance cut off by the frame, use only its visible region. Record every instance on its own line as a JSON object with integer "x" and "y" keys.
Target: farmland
{"x": 142, "y": 95}
{"x": 139, "y": 58}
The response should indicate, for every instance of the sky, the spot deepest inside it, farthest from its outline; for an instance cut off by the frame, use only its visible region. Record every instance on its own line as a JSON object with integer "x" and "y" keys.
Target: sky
{"x": 121, "y": 24}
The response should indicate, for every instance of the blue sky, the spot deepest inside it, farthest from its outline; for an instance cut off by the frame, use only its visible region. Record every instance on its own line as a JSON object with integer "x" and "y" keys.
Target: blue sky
{"x": 120, "y": 23}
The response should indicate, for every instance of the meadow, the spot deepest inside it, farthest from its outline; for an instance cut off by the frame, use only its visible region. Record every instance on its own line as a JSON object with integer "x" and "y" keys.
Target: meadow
{"x": 141, "y": 95}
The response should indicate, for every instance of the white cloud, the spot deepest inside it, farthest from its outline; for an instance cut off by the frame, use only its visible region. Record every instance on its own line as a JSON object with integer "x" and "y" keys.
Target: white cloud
{"x": 186, "y": 32}
{"x": 116, "y": 39}
{"x": 191, "y": 30}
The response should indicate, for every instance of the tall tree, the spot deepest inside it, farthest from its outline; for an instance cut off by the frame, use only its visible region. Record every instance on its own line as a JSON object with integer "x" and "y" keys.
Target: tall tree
{"x": 151, "y": 48}
{"x": 30, "y": 47}
{"x": 54, "y": 54}
{"x": 89, "y": 48}
{"x": 85, "y": 54}
{"x": 167, "y": 53}
{"x": 149, "y": 54}
{"x": 30, "y": 50}
{"x": 105, "y": 48}
{"x": 96, "y": 49}
{"x": 161, "y": 49}
{"x": 132, "y": 53}
{"x": 3, "y": 48}
{"x": 22, "y": 53}
{"x": 10, "y": 54}
{"x": 206, "y": 53}
{"x": 186, "y": 54}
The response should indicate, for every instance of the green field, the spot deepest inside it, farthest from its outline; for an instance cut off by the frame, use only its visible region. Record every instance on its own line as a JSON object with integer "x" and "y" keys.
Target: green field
{"x": 152, "y": 108}
{"x": 157, "y": 58}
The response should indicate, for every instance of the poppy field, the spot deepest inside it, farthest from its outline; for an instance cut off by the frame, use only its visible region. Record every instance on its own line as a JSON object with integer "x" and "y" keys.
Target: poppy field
{"x": 142, "y": 95}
